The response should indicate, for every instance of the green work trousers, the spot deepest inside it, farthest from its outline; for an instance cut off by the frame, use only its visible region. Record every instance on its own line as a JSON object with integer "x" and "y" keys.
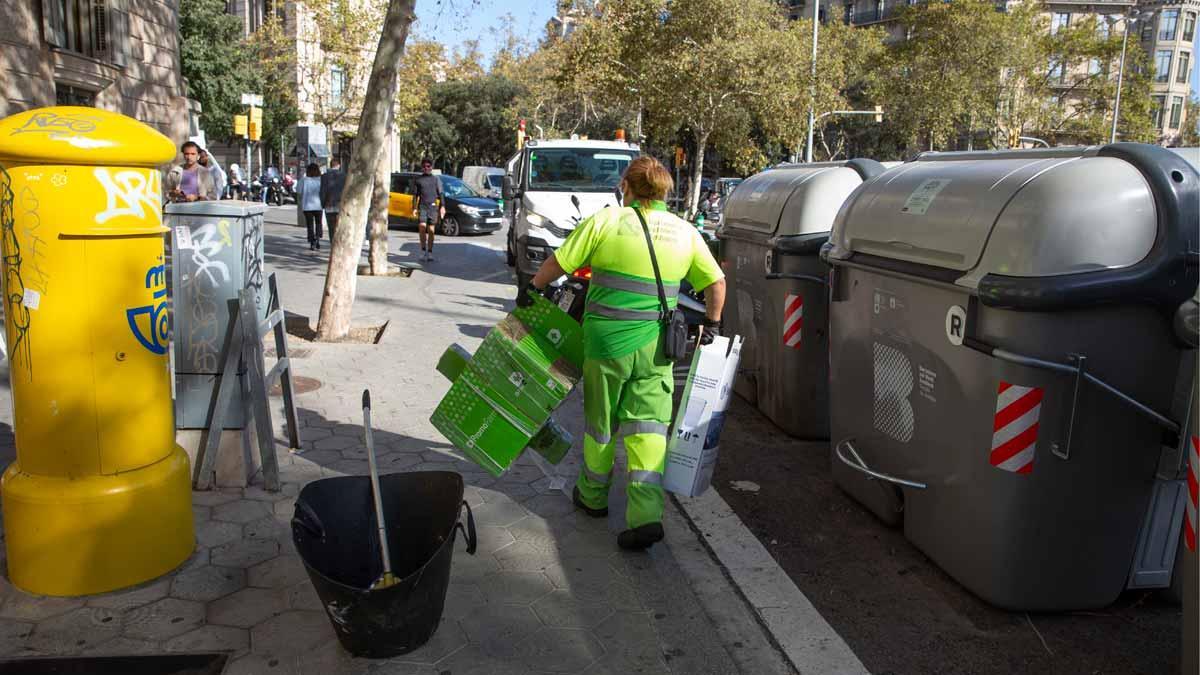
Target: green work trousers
{"x": 630, "y": 398}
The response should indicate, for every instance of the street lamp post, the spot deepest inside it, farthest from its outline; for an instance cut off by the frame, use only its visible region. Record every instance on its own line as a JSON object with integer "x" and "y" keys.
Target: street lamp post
{"x": 812, "y": 120}
{"x": 1131, "y": 20}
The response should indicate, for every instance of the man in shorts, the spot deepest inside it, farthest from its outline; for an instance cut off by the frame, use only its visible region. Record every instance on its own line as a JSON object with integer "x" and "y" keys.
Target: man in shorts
{"x": 430, "y": 207}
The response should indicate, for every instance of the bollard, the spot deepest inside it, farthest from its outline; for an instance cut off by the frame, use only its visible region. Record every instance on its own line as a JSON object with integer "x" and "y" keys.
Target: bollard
{"x": 99, "y": 497}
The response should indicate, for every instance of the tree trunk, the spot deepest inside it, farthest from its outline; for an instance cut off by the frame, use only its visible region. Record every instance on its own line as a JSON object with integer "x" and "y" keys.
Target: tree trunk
{"x": 697, "y": 174}
{"x": 337, "y": 302}
{"x": 377, "y": 222}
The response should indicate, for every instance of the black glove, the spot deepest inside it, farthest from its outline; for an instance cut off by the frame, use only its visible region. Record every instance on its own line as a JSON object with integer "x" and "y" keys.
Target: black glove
{"x": 712, "y": 328}
{"x": 525, "y": 296}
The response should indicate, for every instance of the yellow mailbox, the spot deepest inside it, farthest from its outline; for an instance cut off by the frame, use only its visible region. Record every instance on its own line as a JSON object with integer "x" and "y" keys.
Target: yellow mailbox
{"x": 99, "y": 497}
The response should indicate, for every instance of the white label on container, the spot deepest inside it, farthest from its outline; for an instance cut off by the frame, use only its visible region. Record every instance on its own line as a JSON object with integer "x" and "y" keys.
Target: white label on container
{"x": 31, "y": 299}
{"x": 922, "y": 198}
{"x": 956, "y": 324}
{"x": 183, "y": 238}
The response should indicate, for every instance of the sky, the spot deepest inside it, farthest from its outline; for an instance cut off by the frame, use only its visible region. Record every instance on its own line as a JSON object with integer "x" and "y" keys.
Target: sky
{"x": 453, "y": 22}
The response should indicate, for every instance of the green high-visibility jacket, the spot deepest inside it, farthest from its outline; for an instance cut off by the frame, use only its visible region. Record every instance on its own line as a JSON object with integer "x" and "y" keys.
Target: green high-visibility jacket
{"x": 623, "y": 311}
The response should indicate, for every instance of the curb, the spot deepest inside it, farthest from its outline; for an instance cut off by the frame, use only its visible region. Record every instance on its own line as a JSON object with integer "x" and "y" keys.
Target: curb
{"x": 795, "y": 627}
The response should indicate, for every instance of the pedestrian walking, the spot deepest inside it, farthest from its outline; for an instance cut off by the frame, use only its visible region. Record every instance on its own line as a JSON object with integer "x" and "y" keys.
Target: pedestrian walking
{"x": 236, "y": 186}
{"x": 190, "y": 182}
{"x": 308, "y": 200}
{"x": 430, "y": 207}
{"x": 333, "y": 182}
{"x": 627, "y": 381}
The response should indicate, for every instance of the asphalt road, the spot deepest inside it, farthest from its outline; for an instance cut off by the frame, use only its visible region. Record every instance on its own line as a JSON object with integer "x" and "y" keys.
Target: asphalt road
{"x": 896, "y": 609}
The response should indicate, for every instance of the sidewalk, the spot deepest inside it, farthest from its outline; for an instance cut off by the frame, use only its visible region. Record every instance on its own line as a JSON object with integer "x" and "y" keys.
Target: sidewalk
{"x": 547, "y": 591}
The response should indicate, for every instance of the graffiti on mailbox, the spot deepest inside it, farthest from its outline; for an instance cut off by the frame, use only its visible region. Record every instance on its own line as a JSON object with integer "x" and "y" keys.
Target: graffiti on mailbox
{"x": 57, "y": 125}
{"x": 14, "y": 287}
{"x": 149, "y": 323}
{"x": 129, "y": 193}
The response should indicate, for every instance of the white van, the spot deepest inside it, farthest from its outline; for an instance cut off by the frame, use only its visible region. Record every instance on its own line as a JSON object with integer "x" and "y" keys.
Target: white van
{"x": 486, "y": 180}
{"x": 549, "y": 186}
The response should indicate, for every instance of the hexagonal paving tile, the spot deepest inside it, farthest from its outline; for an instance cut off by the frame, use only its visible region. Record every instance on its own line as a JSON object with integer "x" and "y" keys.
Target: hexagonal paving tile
{"x": 643, "y": 658}
{"x": 521, "y": 474}
{"x": 516, "y": 588}
{"x": 563, "y": 650}
{"x": 472, "y": 568}
{"x": 271, "y": 527}
{"x": 540, "y": 533}
{"x": 585, "y": 577}
{"x": 397, "y": 462}
{"x": 22, "y": 606}
{"x": 123, "y": 646}
{"x": 284, "y": 508}
{"x": 396, "y": 667}
{"x": 491, "y": 538}
{"x": 164, "y": 619}
{"x": 336, "y": 443}
{"x": 626, "y": 629}
{"x": 208, "y": 583}
{"x": 523, "y": 557}
{"x": 562, "y": 610}
{"x": 329, "y": 658}
{"x": 473, "y": 660}
{"x": 129, "y": 598}
{"x": 264, "y": 664}
{"x": 241, "y": 511}
{"x": 213, "y": 497}
{"x": 448, "y": 638}
{"x": 211, "y": 639}
{"x": 501, "y": 512}
{"x": 349, "y": 467}
{"x": 280, "y": 572}
{"x": 245, "y": 552}
{"x": 257, "y": 493}
{"x": 13, "y": 635}
{"x": 280, "y": 634}
{"x": 304, "y": 596}
{"x": 498, "y": 629}
{"x": 462, "y": 600}
{"x": 349, "y": 430}
{"x": 216, "y": 533}
{"x": 247, "y": 607}
{"x": 549, "y": 505}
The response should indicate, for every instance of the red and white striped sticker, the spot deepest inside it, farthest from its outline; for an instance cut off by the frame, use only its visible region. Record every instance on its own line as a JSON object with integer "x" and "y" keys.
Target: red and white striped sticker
{"x": 1015, "y": 427}
{"x": 1189, "y": 525}
{"x": 793, "y": 320}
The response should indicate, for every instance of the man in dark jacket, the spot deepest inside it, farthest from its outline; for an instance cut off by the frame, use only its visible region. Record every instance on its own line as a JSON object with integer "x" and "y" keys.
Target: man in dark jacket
{"x": 333, "y": 182}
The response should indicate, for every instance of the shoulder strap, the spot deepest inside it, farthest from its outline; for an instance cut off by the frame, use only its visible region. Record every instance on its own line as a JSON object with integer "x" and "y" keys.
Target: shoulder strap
{"x": 662, "y": 292}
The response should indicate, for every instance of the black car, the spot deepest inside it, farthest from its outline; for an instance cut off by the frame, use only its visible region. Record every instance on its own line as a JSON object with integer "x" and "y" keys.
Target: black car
{"x": 466, "y": 211}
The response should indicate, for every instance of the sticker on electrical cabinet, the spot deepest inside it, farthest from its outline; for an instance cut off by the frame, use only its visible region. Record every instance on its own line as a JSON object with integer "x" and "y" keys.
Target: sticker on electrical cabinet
{"x": 922, "y": 198}
{"x": 183, "y": 238}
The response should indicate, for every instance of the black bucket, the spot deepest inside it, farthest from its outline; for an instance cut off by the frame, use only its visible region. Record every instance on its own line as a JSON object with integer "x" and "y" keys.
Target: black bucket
{"x": 336, "y": 534}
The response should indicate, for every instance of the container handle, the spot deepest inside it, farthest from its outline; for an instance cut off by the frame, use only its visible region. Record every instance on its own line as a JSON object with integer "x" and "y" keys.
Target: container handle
{"x": 306, "y": 519}
{"x": 772, "y": 276}
{"x": 859, "y": 465}
{"x": 469, "y": 532}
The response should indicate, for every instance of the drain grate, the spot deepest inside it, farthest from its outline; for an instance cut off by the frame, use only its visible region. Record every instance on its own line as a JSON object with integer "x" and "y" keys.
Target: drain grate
{"x": 158, "y": 664}
{"x": 301, "y": 385}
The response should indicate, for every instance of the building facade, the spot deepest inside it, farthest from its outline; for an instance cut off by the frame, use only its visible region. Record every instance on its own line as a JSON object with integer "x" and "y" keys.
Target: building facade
{"x": 1165, "y": 29}
{"x": 118, "y": 55}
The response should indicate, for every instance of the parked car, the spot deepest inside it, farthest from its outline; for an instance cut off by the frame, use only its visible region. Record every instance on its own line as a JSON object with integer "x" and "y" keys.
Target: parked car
{"x": 466, "y": 211}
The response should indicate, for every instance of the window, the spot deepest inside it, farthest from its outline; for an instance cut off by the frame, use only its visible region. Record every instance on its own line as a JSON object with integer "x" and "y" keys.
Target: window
{"x": 1147, "y": 30}
{"x": 1189, "y": 27}
{"x": 94, "y": 28}
{"x": 1167, "y": 23}
{"x": 1184, "y": 68}
{"x": 67, "y": 95}
{"x": 1156, "y": 111}
{"x": 1162, "y": 65}
{"x": 1060, "y": 20}
{"x": 879, "y": 10}
{"x": 1093, "y": 66}
{"x": 849, "y": 14}
{"x": 1176, "y": 111}
{"x": 1057, "y": 71}
{"x": 337, "y": 86}
{"x": 1104, "y": 24}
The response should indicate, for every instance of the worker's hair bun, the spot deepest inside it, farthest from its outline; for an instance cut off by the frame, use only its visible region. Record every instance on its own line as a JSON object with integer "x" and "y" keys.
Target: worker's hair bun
{"x": 647, "y": 178}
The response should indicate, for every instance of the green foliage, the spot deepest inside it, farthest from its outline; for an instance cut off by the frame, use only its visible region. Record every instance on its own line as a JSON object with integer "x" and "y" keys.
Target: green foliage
{"x": 216, "y": 62}
{"x": 469, "y": 121}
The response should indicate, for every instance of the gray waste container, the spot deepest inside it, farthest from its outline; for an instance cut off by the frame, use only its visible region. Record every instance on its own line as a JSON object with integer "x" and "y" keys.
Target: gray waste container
{"x": 1001, "y": 357}
{"x": 773, "y": 228}
{"x": 216, "y": 249}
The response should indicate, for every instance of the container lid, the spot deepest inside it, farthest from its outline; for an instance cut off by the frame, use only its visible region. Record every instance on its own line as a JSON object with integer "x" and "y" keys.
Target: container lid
{"x": 791, "y": 199}
{"x": 1030, "y": 214}
{"x": 80, "y": 135}
{"x": 227, "y": 208}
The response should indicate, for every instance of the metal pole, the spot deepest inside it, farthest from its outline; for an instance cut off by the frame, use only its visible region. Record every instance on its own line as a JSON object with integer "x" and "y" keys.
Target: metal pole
{"x": 1120, "y": 76}
{"x": 813, "y": 90}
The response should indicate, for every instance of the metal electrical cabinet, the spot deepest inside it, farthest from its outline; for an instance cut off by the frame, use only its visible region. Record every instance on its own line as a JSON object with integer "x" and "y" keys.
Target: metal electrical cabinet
{"x": 1003, "y": 365}
{"x": 216, "y": 251}
{"x": 773, "y": 228}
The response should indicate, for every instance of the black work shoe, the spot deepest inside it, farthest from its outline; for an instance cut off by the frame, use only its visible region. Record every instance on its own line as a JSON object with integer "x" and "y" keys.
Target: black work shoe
{"x": 640, "y": 538}
{"x": 595, "y": 513}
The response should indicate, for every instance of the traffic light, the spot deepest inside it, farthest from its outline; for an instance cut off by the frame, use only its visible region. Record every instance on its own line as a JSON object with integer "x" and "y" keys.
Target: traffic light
{"x": 255, "y": 130}
{"x": 239, "y": 125}
{"x": 679, "y": 156}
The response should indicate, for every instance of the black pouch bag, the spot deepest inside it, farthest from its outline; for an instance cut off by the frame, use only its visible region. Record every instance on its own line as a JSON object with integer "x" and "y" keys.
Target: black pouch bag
{"x": 675, "y": 329}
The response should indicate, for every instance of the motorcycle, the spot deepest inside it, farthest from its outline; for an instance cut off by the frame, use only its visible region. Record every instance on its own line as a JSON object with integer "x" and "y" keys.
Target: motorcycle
{"x": 273, "y": 186}
{"x": 289, "y": 187}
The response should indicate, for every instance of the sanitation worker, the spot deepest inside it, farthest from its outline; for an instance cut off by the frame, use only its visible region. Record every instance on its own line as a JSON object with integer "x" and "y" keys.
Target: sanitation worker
{"x": 627, "y": 381}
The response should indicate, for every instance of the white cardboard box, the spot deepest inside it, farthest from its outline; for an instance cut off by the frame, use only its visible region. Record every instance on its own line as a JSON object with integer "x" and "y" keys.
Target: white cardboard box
{"x": 693, "y": 446}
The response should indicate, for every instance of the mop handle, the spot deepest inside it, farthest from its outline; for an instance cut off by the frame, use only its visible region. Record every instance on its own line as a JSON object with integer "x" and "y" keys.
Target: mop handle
{"x": 370, "y": 438}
